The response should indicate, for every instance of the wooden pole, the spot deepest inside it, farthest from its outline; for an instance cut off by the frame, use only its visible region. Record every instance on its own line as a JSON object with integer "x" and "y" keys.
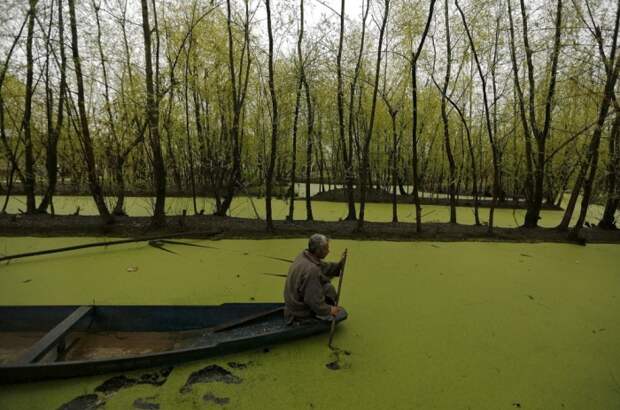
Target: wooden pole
{"x": 333, "y": 329}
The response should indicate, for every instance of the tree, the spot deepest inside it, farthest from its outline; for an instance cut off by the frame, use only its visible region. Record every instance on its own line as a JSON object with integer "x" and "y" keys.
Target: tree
{"x": 84, "y": 130}
{"x": 611, "y": 64}
{"x": 274, "y": 123}
{"x": 366, "y": 144}
{"x": 487, "y": 117}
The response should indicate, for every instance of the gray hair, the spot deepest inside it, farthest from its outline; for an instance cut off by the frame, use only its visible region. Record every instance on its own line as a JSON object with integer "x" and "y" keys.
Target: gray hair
{"x": 316, "y": 242}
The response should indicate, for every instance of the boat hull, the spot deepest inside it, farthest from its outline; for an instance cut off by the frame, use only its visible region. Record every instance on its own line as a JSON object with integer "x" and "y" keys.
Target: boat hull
{"x": 198, "y": 332}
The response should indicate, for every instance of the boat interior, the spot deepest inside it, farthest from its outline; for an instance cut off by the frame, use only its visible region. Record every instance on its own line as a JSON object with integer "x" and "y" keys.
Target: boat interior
{"x": 47, "y": 334}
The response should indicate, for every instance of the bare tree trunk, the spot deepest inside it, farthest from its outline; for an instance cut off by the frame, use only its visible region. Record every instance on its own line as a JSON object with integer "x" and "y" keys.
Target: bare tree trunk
{"x": 9, "y": 185}
{"x": 414, "y": 128}
{"x": 274, "y": 124}
{"x": 51, "y": 160}
{"x": 446, "y": 124}
{"x": 152, "y": 112}
{"x": 572, "y": 201}
{"x": 309, "y": 142}
{"x": 291, "y": 210}
{"x": 365, "y": 153}
{"x": 190, "y": 150}
{"x": 535, "y": 204}
{"x": 29, "y": 182}
{"x": 347, "y": 157}
{"x": 84, "y": 132}
{"x": 394, "y": 169}
{"x": 529, "y": 184}
{"x": 239, "y": 88}
{"x": 300, "y": 59}
{"x": 349, "y": 174}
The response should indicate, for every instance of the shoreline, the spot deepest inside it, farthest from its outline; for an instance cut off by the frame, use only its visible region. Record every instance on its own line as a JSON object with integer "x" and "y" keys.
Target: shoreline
{"x": 217, "y": 227}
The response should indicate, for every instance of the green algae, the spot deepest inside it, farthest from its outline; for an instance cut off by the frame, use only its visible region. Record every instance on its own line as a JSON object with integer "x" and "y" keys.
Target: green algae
{"x": 251, "y": 207}
{"x": 431, "y": 325}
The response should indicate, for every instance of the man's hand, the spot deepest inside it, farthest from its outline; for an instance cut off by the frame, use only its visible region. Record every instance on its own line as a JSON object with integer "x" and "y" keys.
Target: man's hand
{"x": 334, "y": 310}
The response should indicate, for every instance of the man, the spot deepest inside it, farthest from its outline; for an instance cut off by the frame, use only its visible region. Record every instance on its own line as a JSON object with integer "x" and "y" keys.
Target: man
{"x": 308, "y": 291}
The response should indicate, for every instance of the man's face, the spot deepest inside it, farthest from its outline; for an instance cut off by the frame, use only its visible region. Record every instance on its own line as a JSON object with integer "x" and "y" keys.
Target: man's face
{"x": 324, "y": 252}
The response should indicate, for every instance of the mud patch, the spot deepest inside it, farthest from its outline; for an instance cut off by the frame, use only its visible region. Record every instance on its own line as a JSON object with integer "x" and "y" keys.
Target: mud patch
{"x": 117, "y": 383}
{"x": 333, "y": 365}
{"x": 210, "y": 374}
{"x": 211, "y": 398}
{"x": 338, "y": 359}
{"x": 85, "y": 402}
{"x": 146, "y": 404}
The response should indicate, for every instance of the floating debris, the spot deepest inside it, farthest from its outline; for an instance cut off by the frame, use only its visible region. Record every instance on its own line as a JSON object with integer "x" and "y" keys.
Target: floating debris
{"x": 210, "y": 397}
{"x": 186, "y": 244}
{"x": 132, "y": 269}
{"x": 280, "y": 275}
{"x": 531, "y": 297}
{"x": 27, "y": 281}
{"x": 209, "y": 374}
{"x": 85, "y": 402}
{"x": 117, "y": 383}
{"x": 335, "y": 364}
{"x": 238, "y": 365}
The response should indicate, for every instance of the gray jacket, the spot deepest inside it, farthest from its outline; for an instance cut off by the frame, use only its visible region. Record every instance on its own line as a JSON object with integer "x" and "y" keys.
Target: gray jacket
{"x": 304, "y": 293}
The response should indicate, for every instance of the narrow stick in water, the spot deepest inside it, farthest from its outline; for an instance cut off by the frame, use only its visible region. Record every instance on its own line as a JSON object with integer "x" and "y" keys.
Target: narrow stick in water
{"x": 344, "y": 262}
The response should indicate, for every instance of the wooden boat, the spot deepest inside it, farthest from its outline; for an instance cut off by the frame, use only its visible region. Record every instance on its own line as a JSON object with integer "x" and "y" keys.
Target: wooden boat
{"x": 52, "y": 342}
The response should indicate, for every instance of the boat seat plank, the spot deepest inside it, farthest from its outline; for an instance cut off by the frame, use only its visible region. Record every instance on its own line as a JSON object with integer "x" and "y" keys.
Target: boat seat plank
{"x": 41, "y": 347}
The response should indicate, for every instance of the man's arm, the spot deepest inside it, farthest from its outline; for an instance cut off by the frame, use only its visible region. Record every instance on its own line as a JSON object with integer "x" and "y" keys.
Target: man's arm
{"x": 330, "y": 269}
{"x": 314, "y": 297}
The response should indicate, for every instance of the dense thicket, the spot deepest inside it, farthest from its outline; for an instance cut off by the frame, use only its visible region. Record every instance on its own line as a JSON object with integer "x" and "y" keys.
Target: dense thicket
{"x": 510, "y": 99}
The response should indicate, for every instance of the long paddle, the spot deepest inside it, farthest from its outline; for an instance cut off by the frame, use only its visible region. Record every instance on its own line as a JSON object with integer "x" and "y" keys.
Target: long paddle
{"x": 344, "y": 262}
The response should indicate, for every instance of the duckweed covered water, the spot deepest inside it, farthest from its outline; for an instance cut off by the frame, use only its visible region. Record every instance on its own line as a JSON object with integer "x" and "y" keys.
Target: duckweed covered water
{"x": 431, "y": 325}
{"x": 251, "y": 207}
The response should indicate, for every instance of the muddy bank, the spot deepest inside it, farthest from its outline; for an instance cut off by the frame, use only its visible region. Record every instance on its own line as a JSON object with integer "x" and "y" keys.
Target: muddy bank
{"x": 215, "y": 227}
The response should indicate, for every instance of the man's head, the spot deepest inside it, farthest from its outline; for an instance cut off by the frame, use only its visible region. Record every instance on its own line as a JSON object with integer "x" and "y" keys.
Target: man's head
{"x": 318, "y": 245}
